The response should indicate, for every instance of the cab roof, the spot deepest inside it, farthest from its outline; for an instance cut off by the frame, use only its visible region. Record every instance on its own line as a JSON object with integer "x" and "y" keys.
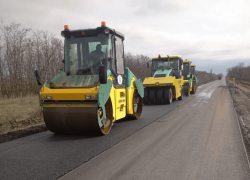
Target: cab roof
{"x": 187, "y": 61}
{"x": 193, "y": 65}
{"x": 170, "y": 56}
{"x": 90, "y": 32}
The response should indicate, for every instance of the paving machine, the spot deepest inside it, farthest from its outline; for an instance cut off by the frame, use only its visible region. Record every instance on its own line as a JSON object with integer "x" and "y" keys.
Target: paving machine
{"x": 166, "y": 83}
{"x": 186, "y": 72}
{"x": 194, "y": 79}
{"x": 94, "y": 89}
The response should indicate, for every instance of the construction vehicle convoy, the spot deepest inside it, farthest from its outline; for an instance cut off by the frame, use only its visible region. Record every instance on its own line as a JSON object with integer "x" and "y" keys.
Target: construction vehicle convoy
{"x": 94, "y": 89}
{"x": 166, "y": 83}
{"x": 189, "y": 74}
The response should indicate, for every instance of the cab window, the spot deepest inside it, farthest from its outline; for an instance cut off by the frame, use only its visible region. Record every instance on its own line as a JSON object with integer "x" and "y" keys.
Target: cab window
{"x": 119, "y": 55}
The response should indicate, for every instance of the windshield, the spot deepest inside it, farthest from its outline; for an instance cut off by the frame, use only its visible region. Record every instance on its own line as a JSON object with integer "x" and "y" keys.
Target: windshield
{"x": 192, "y": 70}
{"x": 163, "y": 64}
{"x": 84, "y": 55}
{"x": 185, "y": 70}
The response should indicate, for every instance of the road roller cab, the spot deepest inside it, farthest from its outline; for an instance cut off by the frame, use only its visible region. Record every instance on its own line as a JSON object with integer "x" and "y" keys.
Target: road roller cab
{"x": 166, "y": 81}
{"x": 94, "y": 89}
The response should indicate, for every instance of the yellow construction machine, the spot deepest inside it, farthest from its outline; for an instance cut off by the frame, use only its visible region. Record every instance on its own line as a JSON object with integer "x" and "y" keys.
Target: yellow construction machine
{"x": 94, "y": 89}
{"x": 188, "y": 73}
{"x": 187, "y": 87}
{"x": 194, "y": 79}
{"x": 166, "y": 83}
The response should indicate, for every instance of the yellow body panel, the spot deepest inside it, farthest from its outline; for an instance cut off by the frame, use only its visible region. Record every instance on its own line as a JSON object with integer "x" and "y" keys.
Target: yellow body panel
{"x": 171, "y": 56}
{"x": 120, "y": 103}
{"x": 159, "y": 81}
{"x": 193, "y": 65}
{"x": 69, "y": 94}
{"x": 67, "y": 105}
{"x": 169, "y": 81}
{"x": 130, "y": 92}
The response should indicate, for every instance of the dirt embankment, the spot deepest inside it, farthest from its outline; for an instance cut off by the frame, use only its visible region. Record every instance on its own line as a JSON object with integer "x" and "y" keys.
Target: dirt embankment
{"x": 20, "y": 117}
{"x": 20, "y": 128}
{"x": 241, "y": 100}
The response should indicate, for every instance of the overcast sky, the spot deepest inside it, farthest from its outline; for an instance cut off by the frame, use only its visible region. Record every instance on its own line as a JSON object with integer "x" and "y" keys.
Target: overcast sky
{"x": 213, "y": 34}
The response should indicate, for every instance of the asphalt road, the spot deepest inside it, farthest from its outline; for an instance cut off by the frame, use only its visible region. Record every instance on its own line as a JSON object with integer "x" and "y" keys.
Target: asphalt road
{"x": 196, "y": 138}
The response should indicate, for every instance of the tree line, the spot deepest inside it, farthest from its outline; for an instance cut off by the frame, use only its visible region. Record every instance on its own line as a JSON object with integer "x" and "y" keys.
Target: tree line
{"x": 23, "y": 50}
{"x": 239, "y": 72}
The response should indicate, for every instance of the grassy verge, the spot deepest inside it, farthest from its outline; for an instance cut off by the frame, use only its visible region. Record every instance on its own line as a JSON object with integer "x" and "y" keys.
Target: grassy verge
{"x": 18, "y": 116}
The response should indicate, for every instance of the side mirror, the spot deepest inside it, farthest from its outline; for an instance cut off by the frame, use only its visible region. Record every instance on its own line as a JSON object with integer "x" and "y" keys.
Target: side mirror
{"x": 147, "y": 64}
{"x": 103, "y": 74}
{"x": 38, "y": 79}
{"x": 63, "y": 61}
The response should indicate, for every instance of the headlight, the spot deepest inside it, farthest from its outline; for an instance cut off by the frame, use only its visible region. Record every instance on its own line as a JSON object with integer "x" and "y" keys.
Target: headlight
{"x": 87, "y": 97}
{"x": 49, "y": 97}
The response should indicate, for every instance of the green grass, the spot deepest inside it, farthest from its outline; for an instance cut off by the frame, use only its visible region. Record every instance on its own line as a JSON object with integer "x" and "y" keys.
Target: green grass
{"x": 18, "y": 108}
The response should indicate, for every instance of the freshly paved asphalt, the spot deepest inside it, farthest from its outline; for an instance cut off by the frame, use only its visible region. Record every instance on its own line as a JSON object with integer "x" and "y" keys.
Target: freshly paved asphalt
{"x": 195, "y": 138}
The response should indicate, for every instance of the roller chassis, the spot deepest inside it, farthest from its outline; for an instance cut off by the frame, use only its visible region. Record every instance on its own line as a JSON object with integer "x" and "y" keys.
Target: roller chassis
{"x": 162, "y": 90}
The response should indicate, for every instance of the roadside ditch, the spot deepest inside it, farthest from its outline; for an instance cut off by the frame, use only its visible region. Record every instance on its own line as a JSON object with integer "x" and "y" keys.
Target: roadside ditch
{"x": 241, "y": 101}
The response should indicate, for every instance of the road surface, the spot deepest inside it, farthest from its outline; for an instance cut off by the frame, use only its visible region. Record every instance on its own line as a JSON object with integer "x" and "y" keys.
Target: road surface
{"x": 196, "y": 138}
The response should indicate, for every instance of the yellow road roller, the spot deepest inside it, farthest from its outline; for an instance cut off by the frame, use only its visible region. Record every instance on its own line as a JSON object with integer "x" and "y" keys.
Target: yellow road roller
{"x": 94, "y": 89}
{"x": 188, "y": 73}
{"x": 187, "y": 87}
{"x": 194, "y": 79}
{"x": 166, "y": 81}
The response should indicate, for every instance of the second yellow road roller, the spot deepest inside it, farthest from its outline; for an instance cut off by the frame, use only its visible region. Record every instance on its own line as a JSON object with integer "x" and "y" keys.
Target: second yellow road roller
{"x": 94, "y": 89}
{"x": 166, "y": 81}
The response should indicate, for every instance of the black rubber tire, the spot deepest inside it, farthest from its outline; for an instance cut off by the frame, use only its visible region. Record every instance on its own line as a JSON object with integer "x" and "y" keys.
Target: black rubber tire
{"x": 186, "y": 90}
{"x": 194, "y": 89}
{"x": 137, "y": 100}
{"x": 152, "y": 96}
{"x": 182, "y": 93}
{"x": 146, "y": 95}
{"x": 160, "y": 95}
{"x": 168, "y": 95}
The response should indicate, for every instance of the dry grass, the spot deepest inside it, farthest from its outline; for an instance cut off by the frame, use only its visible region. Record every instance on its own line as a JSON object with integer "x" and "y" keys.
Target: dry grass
{"x": 245, "y": 84}
{"x": 18, "y": 109}
{"x": 20, "y": 117}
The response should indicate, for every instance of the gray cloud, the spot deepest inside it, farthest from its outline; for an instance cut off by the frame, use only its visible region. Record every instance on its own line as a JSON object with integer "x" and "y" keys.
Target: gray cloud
{"x": 149, "y": 7}
{"x": 214, "y": 31}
